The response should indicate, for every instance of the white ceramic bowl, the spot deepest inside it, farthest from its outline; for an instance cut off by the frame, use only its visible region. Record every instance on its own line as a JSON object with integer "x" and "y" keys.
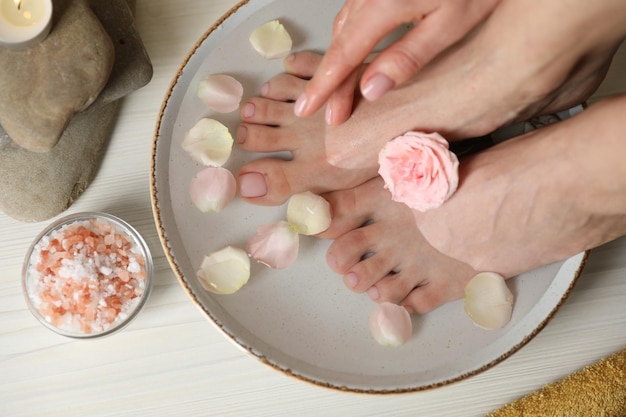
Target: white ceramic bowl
{"x": 302, "y": 320}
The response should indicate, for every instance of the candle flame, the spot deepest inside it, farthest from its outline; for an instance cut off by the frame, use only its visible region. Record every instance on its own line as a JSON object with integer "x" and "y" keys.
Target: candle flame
{"x": 18, "y": 3}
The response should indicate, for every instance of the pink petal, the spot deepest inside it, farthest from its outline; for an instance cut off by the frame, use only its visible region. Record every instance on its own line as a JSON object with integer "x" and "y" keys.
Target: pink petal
{"x": 390, "y": 324}
{"x": 271, "y": 40}
{"x": 488, "y": 300}
{"x": 208, "y": 142}
{"x": 275, "y": 245}
{"x": 220, "y": 92}
{"x": 211, "y": 189}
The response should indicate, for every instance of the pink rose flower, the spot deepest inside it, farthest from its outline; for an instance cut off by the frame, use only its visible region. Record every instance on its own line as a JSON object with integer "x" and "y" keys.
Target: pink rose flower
{"x": 419, "y": 170}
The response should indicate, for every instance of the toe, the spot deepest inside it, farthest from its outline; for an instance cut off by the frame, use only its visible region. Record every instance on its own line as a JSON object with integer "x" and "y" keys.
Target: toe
{"x": 271, "y": 181}
{"x": 284, "y": 178}
{"x": 302, "y": 64}
{"x": 264, "y": 111}
{"x": 346, "y": 213}
{"x": 444, "y": 281}
{"x": 395, "y": 287}
{"x": 255, "y": 178}
{"x": 262, "y": 138}
{"x": 349, "y": 249}
{"x": 358, "y": 256}
{"x": 368, "y": 272}
{"x": 283, "y": 87}
{"x": 424, "y": 299}
{"x": 354, "y": 207}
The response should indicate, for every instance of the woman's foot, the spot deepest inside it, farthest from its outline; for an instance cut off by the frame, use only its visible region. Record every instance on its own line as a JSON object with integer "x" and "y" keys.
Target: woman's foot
{"x": 442, "y": 98}
{"x": 520, "y": 205}
{"x": 379, "y": 250}
{"x": 269, "y": 125}
{"x": 539, "y": 198}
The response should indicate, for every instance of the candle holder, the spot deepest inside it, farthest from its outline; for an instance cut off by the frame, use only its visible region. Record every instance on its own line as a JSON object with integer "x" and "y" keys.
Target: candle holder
{"x": 24, "y": 23}
{"x": 37, "y": 183}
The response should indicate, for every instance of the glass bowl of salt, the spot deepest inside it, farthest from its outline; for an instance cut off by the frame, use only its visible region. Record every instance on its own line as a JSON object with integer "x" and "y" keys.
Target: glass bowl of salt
{"x": 87, "y": 275}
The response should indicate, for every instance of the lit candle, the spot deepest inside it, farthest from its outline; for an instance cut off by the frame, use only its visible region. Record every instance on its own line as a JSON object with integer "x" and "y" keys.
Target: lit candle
{"x": 23, "y": 23}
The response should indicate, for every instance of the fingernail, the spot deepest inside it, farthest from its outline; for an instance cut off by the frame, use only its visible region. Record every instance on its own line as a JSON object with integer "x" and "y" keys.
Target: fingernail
{"x": 351, "y": 280}
{"x": 300, "y": 105}
{"x": 265, "y": 89}
{"x": 242, "y": 134}
{"x": 329, "y": 115}
{"x": 373, "y": 293}
{"x": 377, "y": 86}
{"x": 331, "y": 261}
{"x": 248, "y": 110}
{"x": 252, "y": 184}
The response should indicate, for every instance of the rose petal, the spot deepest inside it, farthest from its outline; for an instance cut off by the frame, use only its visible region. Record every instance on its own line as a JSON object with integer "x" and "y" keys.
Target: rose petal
{"x": 224, "y": 271}
{"x": 275, "y": 245}
{"x": 390, "y": 324}
{"x": 419, "y": 170}
{"x": 209, "y": 142}
{"x": 308, "y": 213}
{"x": 488, "y": 301}
{"x": 211, "y": 189}
{"x": 221, "y": 93}
{"x": 271, "y": 40}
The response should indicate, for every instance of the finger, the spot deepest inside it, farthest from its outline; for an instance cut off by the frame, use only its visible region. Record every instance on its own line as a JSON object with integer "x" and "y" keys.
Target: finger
{"x": 302, "y": 64}
{"x": 342, "y": 16}
{"x": 339, "y": 106}
{"x": 347, "y": 51}
{"x": 406, "y": 57}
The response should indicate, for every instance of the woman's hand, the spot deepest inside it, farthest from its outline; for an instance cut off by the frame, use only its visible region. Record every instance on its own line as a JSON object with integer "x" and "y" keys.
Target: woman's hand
{"x": 361, "y": 25}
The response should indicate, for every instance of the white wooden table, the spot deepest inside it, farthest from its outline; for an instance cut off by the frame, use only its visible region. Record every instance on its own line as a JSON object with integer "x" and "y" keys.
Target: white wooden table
{"x": 172, "y": 362}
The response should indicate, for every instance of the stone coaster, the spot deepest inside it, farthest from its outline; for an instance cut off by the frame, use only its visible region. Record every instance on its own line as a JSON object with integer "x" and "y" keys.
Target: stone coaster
{"x": 38, "y": 186}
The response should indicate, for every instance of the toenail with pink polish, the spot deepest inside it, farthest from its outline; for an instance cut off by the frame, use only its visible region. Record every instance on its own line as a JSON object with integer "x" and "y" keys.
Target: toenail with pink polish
{"x": 252, "y": 184}
{"x": 352, "y": 280}
{"x": 242, "y": 134}
{"x": 248, "y": 110}
{"x": 373, "y": 293}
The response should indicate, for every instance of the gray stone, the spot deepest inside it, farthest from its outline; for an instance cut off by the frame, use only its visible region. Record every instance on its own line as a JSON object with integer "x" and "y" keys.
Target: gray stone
{"x": 44, "y": 86}
{"x": 38, "y": 186}
{"x": 132, "y": 68}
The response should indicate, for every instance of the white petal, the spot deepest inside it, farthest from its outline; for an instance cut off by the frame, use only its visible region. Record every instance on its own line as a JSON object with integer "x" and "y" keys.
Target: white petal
{"x": 221, "y": 93}
{"x": 488, "y": 301}
{"x": 212, "y": 189}
{"x": 390, "y": 324}
{"x": 275, "y": 245}
{"x": 209, "y": 142}
{"x": 271, "y": 40}
{"x": 308, "y": 213}
{"x": 224, "y": 271}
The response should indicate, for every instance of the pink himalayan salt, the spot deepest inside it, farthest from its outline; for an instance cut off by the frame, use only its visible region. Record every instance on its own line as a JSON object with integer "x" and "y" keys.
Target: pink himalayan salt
{"x": 86, "y": 277}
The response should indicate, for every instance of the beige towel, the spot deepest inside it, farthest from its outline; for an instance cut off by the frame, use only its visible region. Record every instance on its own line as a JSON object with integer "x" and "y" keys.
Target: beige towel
{"x": 597, "y": 390}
